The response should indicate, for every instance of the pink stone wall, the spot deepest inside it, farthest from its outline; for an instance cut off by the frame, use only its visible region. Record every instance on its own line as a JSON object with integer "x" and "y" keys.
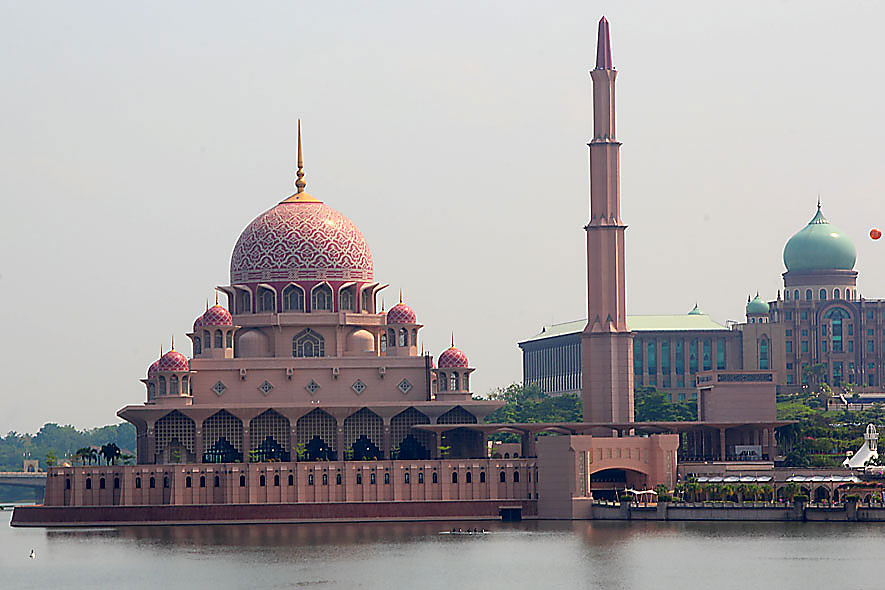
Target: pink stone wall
{"x": 394, "y": 481}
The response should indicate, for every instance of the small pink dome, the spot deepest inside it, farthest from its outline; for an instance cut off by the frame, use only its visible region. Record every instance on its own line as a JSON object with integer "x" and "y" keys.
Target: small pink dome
{"x": 216, "y": 316}
{"x": 453, "y": 359}
{"x": 401, "y": 314}
{"x": 198, "y": 322}
{"x": 173, "y": 361}
{"x": 152, "y": 370}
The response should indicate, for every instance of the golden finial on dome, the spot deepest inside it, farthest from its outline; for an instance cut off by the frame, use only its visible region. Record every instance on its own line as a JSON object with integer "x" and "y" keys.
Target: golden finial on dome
{"x": 453, "y": 339}
{"x": 382, "y": 305}
{"x": 173, "y": 343}
{"x": 207, "y": 304}
{"x": 400, "y": 295}
{"x": 299, "y": 183}
{"x": 216, "y": 297}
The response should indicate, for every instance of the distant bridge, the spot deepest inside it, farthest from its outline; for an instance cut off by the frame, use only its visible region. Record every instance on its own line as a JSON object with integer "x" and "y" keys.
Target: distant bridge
{"x": 24, "y": 479}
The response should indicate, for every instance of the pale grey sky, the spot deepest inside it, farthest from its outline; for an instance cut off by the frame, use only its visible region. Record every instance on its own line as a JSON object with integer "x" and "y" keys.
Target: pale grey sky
{"x": 138, "y": 139}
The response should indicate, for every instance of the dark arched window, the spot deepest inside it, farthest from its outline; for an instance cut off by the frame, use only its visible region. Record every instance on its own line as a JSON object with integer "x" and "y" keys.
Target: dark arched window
{"x": 325, "y": 479}
{"x": 482, "y": 477}
{"x": 291, "y": 480}
{"x": 503, "y": 477}
{"x": 763, "y": 354}
{"x": 152, "y": 483}
{"x": 366, "y": 302}
{"x": 386, "y": 478}
{"x": 185, "y": 385}
{"x": 465, "y": 380}
{"x": 276, "y": 480}
{"x": 359, "y": 479}
{"x": 383, "y": 340}
{"x": 308, "y": 344}
{"x": 469, "y": 477}
{"x": 262, "y": 481}
{"x": 266, "y": 300}
{"x": 835, "y": 293}
{"x": 173, "y": 385}
{"x": 198, "y": 345}
{"x": 187, "y": 481}
{"x": 337, "y": 479}
{"x": 372, "y": 479}
{"x": 796, "y": 294}
{"x": 823, "y": 294}
{"x": 403, "y": 337}
{"x": 420, "y": 477}
{"x": 407, "y": 479}
{"x": 202, "y": 481}
{"x": 293, "y": 298}
{"x": 310, "y": 479}
{"x": 516, "y": 477}
{"x": 391, "y": 338}
{"x": 443, "y": 385}
{"x": 230, "y": 338}
{"x": 244, "y": 302}
{"x": 807, "y": 294}
{"x": 162, "y": 381}
{"x": 219, "y": 339}
{"x": 453, "y": 382}
{"x": 321, "y": 298}
{"x": 242, "y": 481}
{"x": 347, "y": 300}
{"x": 88, "y": 483}
{"x": 217, "y": 481}
{"x": 166, "y": 481}
{"x": 152, "y": 391}
{"x": 454, "y": 477}
{"x": 137, "y": 483}
{"x": 101, "y": 483}
{"x": 434, "y": 478}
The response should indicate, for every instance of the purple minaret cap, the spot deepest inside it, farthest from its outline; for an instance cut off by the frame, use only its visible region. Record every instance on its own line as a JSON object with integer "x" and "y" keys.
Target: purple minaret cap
{"x": 603, "y": 47}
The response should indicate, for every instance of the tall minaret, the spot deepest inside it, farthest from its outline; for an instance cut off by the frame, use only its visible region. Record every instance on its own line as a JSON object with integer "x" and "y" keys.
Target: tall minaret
{"x": 607, "y": 343}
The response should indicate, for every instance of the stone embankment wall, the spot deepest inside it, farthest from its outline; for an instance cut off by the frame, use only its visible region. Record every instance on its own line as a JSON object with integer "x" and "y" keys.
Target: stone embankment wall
{"x": 733, "y": 511}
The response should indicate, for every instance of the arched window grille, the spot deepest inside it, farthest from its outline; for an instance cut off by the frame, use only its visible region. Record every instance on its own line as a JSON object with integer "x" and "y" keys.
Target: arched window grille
{"x": 763, "y": 354}
{"x": 266, "y": 300}
{"x": 293, "y": 298}
{"x": 347, "y": 300}
{"x": 366, "y": 303}
{"x": 174, "y": 436}
{"x": 308, "y": 344}
{"x": 383, "y": 340}
{"x": 173, "y": 385}
{"x": 230, "y": 338}
{"x": 244, "y": 302}
{"x": 465, "y": 382}
{"x": 403, "y": 337}
{"x": 808, "y": 295}
{"x": 222, "y": 438}
{"x": 391, "y": 338}
{"x": 453, "y": 382}
{"x": 185, "y": 385}
{"x": 269, "y": 435}
{"x": 198, "y": 345}
{"x": 409, "y": 443}
{"x": 823, "y": 294}
{"x": 363, "y": 435}
{"x": 835, "y": 293}
{"x": 152, "y": 391}
{"x": 443, "y": 383}
{"x": 219, "y": 339}
{"x": 207, "y": 338}
{"x": 321, "y": 299}
{"x": 162, "y": 382}
{"x": 796, "y": 294}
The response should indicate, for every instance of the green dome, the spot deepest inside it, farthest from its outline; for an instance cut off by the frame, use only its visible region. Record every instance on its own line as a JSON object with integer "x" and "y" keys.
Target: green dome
{"x": 757, "y": 305}
{"x": 819, "y": 246}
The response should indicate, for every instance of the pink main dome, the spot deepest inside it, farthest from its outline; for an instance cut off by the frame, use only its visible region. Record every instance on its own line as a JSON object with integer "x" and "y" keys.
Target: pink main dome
{"x": 216, "y": 316}
{"x": 401, "y": 314}
{"x": 301, "y": 239}
{"x": 453, "y": 359}
{"x": 173, "y": 361}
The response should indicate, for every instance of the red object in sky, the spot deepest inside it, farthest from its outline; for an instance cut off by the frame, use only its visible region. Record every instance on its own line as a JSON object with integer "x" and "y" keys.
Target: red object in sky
{"x": 875, "y": 233}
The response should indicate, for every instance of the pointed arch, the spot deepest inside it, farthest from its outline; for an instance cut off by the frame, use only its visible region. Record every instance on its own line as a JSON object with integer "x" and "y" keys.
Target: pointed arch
{"x": 308, "y": 344}
{"x": 321, "y": 297}
{"x": 222, "y": 438}
{"x": 293, "y": 298}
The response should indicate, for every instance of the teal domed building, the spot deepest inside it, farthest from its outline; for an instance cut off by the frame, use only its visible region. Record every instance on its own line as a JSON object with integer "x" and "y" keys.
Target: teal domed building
{"x": 819, "y": 246}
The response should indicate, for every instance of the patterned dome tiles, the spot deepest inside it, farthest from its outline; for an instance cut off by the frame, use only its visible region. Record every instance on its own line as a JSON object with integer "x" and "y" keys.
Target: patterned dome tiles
{"x": 152, "y": 370}
{"x": 216, "y": 316}
{"x": 173, "y": 361}
{"x": 401, "y": 314}
{"x": 301, "y": 241}
{"x": 453, "y": 359}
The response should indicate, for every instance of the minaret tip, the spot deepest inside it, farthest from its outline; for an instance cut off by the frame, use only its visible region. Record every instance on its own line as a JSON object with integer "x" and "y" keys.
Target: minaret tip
{"x": 603, "y": 47}
{"x": 299, "y": 182}
{"x": 400, "y": 295}
{"x": 818, "y": 201}
{"x": 453, "y": 340}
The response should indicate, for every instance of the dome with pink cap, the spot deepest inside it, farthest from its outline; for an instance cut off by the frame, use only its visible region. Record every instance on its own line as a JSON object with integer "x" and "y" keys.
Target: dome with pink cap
{"x": 452, "y": 359}
{"x": 216, "y": 316}
{"x": 401, "y": 314}
{"x": 173, "y": 361}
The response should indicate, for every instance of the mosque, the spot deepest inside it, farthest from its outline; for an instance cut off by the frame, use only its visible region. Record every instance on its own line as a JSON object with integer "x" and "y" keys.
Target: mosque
{"x": 304, "y": 401}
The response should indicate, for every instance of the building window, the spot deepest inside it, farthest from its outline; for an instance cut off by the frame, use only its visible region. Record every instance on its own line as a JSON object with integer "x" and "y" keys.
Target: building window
{"x": 805, "y": 346}
{"x": 516, "y": 477}
{"x": 796, "y": 294}
{"x": 187, "y": 481}
{"x": 468, "y": 478}
{"x": 637, "y": 356}
{"x": 166, "y": 481}
{"x": 788, "y": 315}
{"x": 217, "y": 481}
{"x": 720, "y": 354}
{"x": 244, "y": 302}
{"x": 763, "y": 354}
{"x": 383, "y": 340}
{"x": 308, "y": 344}
{"x": 787, "y": 294}
{"x": 325, "y": 479}
{"x": 152, "y": 483}
{"x": 434, "y": 478}
{"x": 708, "y": 361}
{"x": 372, "y": 480}
{"x": 366, "y": 303}
{"x": 293, "y": 298}
{"x": 804, "y": 333}
{"x": 347, "y": 300}
{"x": 359, "y": 479}
{"x": 665, "y": 356}
{"x": 386, "y": 479}
{"x": 680, "y": 359}
{"x": 88, "y": 483}
{"x": 420, "y": 477}
{"x": 242, "y": 481}
{"x": 652, "y": 360}
{"x": 403, "y": 337}
{"x": 789, "y": 345}
{"x": 693, "y": 357}
{"x": 823, "y": 294}
{"x": 454, "y": 477}
{"x": 823, "y": 346}
{"x": 137, "y": 483}
{"x": 871, "y": 315}
{"x": 788, "y": 333}
{"x": 321, "y": 298}
{"x": 502, "y": 477}
{"x": 453, "y": 382}
{"x": 310, "y": 479}
{"x": 337, "y": 479}
{"x": 266, "y": 300}
{"x": 202, "y": 481}
{"x": 482, "y": 477}
{"x": 871, "y": 346}
{"x": 789, "y": 379}
{"x": 835, "y": 293}
{"x": 803, "y": 315}
{"x": 407, "y": 479}
{"x": 682, "y": 397}
{"x": 219, "y": 339}
{"x": 807, "y": 294}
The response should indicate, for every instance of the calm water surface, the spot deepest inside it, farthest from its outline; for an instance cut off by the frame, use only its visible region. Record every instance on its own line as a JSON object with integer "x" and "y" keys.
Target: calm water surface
{"x": 683, "y": 556}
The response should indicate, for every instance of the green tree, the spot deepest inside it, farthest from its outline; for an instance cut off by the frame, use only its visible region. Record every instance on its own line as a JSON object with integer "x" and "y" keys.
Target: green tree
{"x": 652, "y": 405}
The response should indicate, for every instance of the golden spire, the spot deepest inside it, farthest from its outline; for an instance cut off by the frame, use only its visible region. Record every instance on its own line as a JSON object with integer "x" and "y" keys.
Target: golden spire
{"x": 216, "y": 297}
{"x": 207, "y": 304}
{"x": 382, "y": 305}
{"x": 400, "y": 295}
{"x": 173, "y": 342}
{"x": 299, "y": 183}
{"x": 453, "y": 339}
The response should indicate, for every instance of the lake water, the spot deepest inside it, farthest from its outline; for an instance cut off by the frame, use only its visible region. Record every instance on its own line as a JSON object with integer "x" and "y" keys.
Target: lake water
{"x": 605, "y": 555}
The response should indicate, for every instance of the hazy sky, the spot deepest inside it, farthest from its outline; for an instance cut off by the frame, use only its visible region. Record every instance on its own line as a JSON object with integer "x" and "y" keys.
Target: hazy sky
{"x": 139, "y": 139}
